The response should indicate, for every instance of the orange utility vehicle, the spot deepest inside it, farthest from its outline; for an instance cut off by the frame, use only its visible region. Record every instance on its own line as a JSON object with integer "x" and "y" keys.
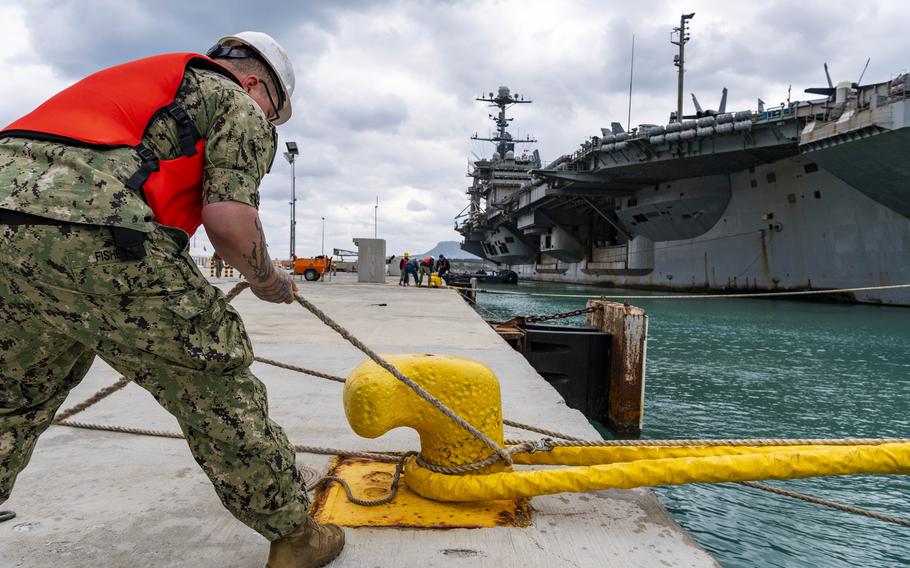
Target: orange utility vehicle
{"x": 312, "y": 268}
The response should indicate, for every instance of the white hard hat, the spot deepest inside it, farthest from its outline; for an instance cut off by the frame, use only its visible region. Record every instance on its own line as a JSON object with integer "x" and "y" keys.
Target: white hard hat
{"x": 275, "y": 57}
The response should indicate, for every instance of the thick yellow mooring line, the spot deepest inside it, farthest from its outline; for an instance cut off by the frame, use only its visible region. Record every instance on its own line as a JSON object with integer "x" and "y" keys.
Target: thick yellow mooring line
{"x": 749, "y": 465}
{"x": 376, "y": 403}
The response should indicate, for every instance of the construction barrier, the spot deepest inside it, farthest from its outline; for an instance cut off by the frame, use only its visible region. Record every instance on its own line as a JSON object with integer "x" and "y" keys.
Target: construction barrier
{"x": 227, "y": 271}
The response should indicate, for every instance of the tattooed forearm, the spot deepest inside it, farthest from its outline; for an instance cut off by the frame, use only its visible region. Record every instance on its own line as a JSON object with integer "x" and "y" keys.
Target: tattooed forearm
{"x": 237, "y": 234}
{"x": 277, "y": 291}
{"x": 258, "y": 258}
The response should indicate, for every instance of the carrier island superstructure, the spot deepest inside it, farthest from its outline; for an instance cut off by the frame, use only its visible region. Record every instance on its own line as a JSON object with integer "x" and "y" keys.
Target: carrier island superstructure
{"x": 808, "y": 195}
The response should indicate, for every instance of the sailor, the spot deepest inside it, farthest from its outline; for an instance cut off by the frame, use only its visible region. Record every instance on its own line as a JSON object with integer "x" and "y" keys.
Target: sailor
{"x": 442, "y": 265}
{"x": 402, "y": 264}
{"x": 410, "y": 269}
{"x": 219, "y": 264}
{"x": 98, "y": 195}
{"x": 426, "y": 268}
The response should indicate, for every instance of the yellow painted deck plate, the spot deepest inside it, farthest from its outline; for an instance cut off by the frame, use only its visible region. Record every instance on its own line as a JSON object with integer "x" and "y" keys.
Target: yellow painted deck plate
{"x": 370, "y": 480}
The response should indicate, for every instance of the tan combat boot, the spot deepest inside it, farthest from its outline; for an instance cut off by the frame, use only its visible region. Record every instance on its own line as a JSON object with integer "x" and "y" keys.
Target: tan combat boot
{"x": 311, "y": 545}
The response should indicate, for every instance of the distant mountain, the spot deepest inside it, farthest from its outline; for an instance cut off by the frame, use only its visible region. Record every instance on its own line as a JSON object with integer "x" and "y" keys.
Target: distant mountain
{"x": 451, "y": 249}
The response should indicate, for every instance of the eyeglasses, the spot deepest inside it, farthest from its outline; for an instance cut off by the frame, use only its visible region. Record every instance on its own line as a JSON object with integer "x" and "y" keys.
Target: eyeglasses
{"x": 273, "y": 116}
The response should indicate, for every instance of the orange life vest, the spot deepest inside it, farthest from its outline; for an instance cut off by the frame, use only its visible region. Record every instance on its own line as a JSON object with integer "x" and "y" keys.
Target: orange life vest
{"x": 113, "y": 108}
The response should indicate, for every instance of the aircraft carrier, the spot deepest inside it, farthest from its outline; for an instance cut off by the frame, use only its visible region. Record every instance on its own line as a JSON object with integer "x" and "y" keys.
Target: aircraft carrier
{"x": 808, "y": 195}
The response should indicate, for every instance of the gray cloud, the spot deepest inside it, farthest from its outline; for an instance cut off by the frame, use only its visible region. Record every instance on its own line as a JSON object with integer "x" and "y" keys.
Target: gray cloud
{"x": 81, "y": 36}
{"x": 385, "y": 90}
{"x": 414, "y": 205}
{"x": 360, "y": 111}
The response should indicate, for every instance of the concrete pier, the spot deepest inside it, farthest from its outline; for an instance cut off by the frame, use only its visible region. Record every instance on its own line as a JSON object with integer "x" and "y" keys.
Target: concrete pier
{"x": 93, "y": 498}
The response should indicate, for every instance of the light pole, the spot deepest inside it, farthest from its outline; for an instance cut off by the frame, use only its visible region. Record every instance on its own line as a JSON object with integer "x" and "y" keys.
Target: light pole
{"x": 291, "y": 156}
{"x": 323, "y": 236}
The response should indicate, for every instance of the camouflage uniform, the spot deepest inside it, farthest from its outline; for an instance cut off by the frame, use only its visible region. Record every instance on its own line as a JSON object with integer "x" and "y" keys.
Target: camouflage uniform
{"x": 66, "y": 296}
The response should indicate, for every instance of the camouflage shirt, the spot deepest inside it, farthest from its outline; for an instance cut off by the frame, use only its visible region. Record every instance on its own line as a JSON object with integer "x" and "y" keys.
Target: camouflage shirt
{"x": 83, "y": 185}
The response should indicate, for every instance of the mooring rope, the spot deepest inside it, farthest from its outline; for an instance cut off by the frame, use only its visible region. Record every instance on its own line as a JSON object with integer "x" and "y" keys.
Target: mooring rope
{"x": 101, "y": 394}
{"x": 319, "y": 374}
{"x": 520, "y": 448}
{"x": 539, "y": 430}
{"x": 393, "y": 489}
{"x": 827, "y": 503}
{"x": 320, "y": 450}
{"x": 485, "y": 311}
{"x": 693, "y": 296}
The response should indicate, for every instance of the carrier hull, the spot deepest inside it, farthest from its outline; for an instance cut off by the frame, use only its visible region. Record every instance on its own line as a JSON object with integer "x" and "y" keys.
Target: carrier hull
{"x": 810, "y": 196}
{"x": 822, "y": 234}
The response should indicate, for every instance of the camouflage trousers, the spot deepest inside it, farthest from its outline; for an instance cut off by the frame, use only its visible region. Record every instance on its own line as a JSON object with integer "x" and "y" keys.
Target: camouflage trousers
{"x": 66, "y": 296}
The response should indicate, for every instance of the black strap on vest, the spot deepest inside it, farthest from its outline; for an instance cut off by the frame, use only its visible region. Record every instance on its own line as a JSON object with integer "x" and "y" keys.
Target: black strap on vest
{"x": 186, "y": 132}
{"x": 149, "y": 164}
{"x": 186, "y": 128}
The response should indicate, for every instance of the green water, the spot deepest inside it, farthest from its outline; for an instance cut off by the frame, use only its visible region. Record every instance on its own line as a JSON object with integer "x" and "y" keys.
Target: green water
{"x": 768, "y": 368}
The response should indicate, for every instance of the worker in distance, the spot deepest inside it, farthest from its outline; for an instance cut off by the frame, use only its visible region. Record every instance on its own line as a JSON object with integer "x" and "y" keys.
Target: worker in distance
{"x": 98, "y": 196}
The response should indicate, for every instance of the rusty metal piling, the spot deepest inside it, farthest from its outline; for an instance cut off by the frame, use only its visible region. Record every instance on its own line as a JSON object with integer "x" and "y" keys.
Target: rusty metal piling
{"x": 629, "y": 327}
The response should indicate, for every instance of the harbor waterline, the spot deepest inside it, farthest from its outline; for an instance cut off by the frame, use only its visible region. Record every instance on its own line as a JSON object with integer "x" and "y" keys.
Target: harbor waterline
{"x": 737, "y": 368}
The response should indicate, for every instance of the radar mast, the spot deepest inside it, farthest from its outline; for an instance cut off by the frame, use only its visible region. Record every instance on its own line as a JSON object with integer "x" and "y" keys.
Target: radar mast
{"x": 503, "y": 140}
{"x": 680, "y": 36}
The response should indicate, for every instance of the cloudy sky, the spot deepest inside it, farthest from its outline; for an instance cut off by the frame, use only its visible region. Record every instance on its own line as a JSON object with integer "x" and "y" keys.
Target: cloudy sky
{"x": 385, "y": 105}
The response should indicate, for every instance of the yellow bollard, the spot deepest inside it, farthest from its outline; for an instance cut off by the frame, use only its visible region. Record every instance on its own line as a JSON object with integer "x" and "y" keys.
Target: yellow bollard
{"x": 375, "y": 402}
